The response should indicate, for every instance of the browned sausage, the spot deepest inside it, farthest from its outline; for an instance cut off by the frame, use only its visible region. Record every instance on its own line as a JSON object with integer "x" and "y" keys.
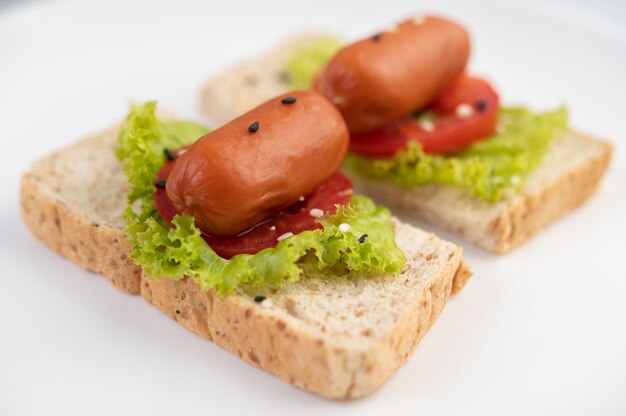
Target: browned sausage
{"x": 234, "y": 177}
{"x": 384, "y": 77}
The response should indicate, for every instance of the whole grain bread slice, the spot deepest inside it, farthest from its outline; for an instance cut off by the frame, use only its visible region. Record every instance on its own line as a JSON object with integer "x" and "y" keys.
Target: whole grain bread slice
{"x": 339, "y": 338}
{"x": 569, "y": 175}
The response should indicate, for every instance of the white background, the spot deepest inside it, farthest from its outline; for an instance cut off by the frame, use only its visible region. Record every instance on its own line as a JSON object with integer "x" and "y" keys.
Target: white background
{"x": 539, "y": 331}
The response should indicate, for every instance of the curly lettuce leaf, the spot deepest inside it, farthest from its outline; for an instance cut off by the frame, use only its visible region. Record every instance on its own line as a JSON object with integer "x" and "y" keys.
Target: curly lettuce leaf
{"x": 308, "y": 60}
{"x": 490, "y": 169}
{"x": 142, "y": 142}
{"x": 181, "y": 251}
{"x": 169, "y": 252}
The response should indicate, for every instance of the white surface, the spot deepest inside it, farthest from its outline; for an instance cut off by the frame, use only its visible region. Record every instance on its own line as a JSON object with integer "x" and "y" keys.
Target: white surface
{"x": 539, "y": 331}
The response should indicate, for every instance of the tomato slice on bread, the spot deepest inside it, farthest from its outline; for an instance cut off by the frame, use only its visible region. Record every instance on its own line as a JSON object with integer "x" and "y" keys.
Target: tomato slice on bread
{"x": 300, "y": 216}
{"x": 466, "y": 112}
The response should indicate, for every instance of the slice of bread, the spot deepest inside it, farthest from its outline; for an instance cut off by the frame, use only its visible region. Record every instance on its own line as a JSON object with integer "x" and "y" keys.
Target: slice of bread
{"x": 570, "y": 174}
{"x": 246, "y": 86}
{"x": 335, "y": 337}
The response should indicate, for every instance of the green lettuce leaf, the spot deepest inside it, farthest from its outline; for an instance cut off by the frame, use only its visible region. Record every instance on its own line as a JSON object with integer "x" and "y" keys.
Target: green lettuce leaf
{"x": 169, "y": 252}
{"x": 490, "y": 169}
{"x": 181, "y": 251}
{"x": 142, "y": 142}
{"x": 308, "y": 60}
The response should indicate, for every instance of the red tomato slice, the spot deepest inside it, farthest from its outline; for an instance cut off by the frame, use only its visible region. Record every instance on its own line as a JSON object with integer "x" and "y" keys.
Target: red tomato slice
{"x": 337, "y": 190}
{"x": 467, "y": 111}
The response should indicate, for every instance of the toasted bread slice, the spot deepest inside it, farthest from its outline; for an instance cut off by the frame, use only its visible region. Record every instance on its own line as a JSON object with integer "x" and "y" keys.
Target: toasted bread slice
{"x": 335, "y": 337}
{"x": 569, "y": 175}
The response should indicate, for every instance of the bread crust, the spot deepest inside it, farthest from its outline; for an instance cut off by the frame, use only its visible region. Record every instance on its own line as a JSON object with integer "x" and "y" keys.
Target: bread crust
{"x": 283, "y": 339}
{"x": 92, "y": 244}
{"x": 535, "y": 210}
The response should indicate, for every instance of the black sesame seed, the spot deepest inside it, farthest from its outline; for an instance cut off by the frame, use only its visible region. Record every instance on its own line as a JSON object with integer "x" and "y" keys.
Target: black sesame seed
{"x": 481, "y": 105}
{"x": 160, "y": 184}
{"x": 170, "y": 155}
{"x": 377, "y": 37}
{"x": 362, "y": 238}
{"x": 259, "y": 298}
{"x": 254, "y": 127}
{"x": 288, "y": 100}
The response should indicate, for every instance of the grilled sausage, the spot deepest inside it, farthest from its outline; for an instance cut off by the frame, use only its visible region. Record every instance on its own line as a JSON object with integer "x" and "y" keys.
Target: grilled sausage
{"x": 382, "y": 78}
{"x": 259, "y": 163}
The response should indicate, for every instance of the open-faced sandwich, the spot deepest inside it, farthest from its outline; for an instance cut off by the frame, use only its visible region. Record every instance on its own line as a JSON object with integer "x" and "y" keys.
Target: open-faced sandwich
{"x": 249, "y": 236}
{"x": 426, "y": 136}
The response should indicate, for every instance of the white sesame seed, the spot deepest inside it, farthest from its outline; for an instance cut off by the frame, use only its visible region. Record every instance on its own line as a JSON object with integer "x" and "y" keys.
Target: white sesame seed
{"x": 182, "y": 151}
{"x": 267, "y": 303}
{"x": 419, "y": 19}
{"x": 273, "y": 228}
{"x": 427, "y": 125}
{"x": 464, "y": 110}
{"x": 515, "y": 179}
{"x": 316, "y": 212}
{"x": 284, "y": 236}
{"x": 301, "y": 198}
{"x": 343, "y": 227}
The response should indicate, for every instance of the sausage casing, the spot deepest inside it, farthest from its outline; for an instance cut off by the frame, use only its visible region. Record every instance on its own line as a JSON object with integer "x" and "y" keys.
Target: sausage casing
{"x": 244, "y": 172}
{"x": 384, "y": 77}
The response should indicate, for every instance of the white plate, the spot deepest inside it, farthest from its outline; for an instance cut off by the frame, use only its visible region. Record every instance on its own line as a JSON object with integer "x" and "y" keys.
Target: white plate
{"x": 541, "y": 330}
